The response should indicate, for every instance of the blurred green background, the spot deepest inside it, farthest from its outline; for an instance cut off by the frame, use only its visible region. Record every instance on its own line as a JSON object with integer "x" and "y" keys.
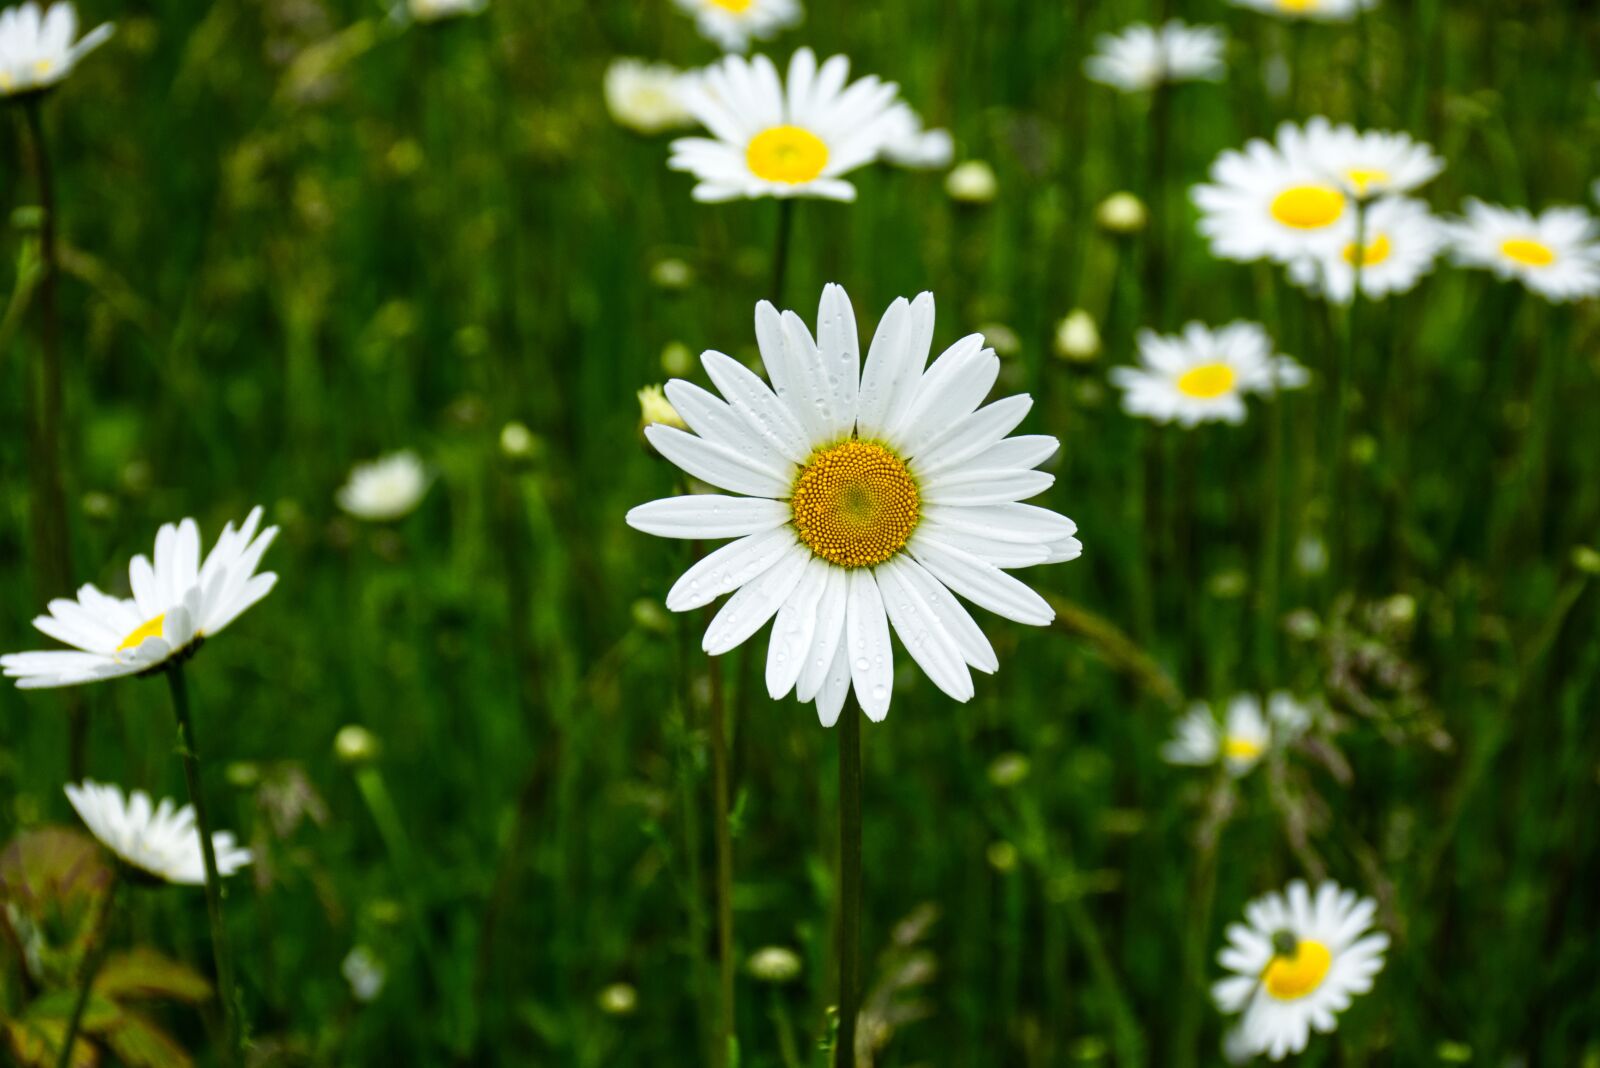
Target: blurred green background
{"x": 297, "y": 235}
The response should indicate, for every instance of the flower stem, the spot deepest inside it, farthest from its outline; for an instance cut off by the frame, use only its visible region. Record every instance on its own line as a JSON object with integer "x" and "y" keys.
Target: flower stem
{"x": 91, "y": 969}
{"x": 849, "y": 884}
{"x": 724, "y": 840}
{"x": 1337, "y": 529}
{"x": 780, "y": 248}
{"x": 227, "y": 992}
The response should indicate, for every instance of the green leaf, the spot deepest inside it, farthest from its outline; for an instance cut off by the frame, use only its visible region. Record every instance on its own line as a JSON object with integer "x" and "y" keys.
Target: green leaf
{"x": 139, "y": 1043}
{"x": 143, "y": 973}
{"x": 56, "y": 1007}
{"x": 37, "y": 1044}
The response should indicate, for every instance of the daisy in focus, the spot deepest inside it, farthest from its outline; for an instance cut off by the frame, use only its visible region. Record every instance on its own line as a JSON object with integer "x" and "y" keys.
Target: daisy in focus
{"x": 868, "y": 497}
{"x": 907, "y": 144}
{"x": 1297, "y": 962}
{"x": 1274, "y": 200}
{"x": 385, "y": 489}
{"x": 1142, "y": 57}
{"x": 1242, "y": 740}
{"x": 1555, "y": 253}
{"x": 1311, "y": 10}
{"x": 1402, "y": 241}
{"x": 1370, "y": 163}
{"x": 37, "y": 50}
{"x": 733, "y": 24}
{"x": 159, "y": 842}
{"x": 178, "y": 601}
{"x": 772, "y": 138}
{"x": 645, "y": 96}
{"x": 1203, "y": 375}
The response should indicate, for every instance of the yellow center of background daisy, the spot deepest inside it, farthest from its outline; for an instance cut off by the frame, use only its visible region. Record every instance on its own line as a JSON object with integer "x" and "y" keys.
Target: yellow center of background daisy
{"x": 855, "y": 504}
{"x": 786, "y": 154}
{"x": 1308, "y": 207}
{"x": 151, "y": 629}
{"x": 1364, "y": 178}
{"x": 1297, "y": 5}
{"x": 1528, "y": 252}
{"x": 1208, "y": 381}
{"x": 1290, "y": 978}
{"x": 1376, "y": 252}
{"x": 1235, "y": 748}
{"x": 738, "y": 7}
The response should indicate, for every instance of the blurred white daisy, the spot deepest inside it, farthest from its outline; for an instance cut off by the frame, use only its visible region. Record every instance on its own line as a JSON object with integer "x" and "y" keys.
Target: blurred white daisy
{"x": 1370, "y": 163}
{"x": 1556, "y": 253}
{"x": 1142, "y": 56}
{"x": 1242, "y": 739}
{"x": 438, "y": 10}
{"x": 1203, "y": 375}
{"x": 1313, "y": 10}
{"x": 771, "y": 139}
{"x": 1402, "y": 239}
{"x": 973, "y": 182}
{"x": 364, "y": 972}
{"x": 385, "y": 489}
{"x": 1297, "y": 962}
{"x": 37, "y": 50}
{"x": 644, "y": 96}
{"x": 907, "y": 144}
{"x": 870, "y": 497}
{"x": 1273, "y": 200}
{"x": 733, "y": 24}
{"x": 177, "y": 603}
{"x": 159, "y": 841}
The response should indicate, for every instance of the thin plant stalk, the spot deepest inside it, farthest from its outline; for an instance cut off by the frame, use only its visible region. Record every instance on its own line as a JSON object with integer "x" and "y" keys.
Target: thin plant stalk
{"x": 91, "y": 969}
{"x": 227, "y": 991}
{"x": 780, "y": 248}
{"x": 1342, "y": 369}
{"x": 723, "y": 834}
{"x": 1197, "y": 926}
{"x": 849, "y": 731}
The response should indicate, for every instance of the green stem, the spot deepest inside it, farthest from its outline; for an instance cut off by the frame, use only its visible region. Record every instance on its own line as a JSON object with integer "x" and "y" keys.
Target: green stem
{"x": 1337, "y": 528}
{"x": 849, "y": 884}
{"x": 780, "y": 248}
{"x": 724, "y": 842}
{"x": 227, "y": 991}
{"x": 1202, "y": 892}
{"x": 91, "y": 969}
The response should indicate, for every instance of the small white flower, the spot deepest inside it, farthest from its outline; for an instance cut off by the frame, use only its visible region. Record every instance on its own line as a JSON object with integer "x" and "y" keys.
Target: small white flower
{"x": 385, "y": 489}
{"x": 1239, "y": 743}
{"x": 646, "y": 97}
{"x": 1556, "y": 253}
{"x": 777, "y": 138}
{"x": 177, "y": 602}
{"x": 733, "y": 24}
{"x": 1312, "y": 10}
{"x": 364, "y": 972}
{"x": 160, "y": 841}
{"x": 1370, "y": 163}
{"x": 1297, "y": 962}
{"x": 1203, "y": 375}
{"x": 438, "y": 10}
{"x": 1077, "y": 336}
{"x": 972, "y": 183}
{"x": 1273, "y": 200}
{"x": 907, "y": 144}
{"x": 37, "y": 51}
{"x": 1142, "y": 57}
{"x": 1402, "y": 240}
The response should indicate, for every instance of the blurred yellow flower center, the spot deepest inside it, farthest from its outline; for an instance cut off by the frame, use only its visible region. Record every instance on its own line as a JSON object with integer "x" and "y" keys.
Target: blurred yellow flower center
{"x": 1308, "y": 207}
{"x": 150, "y": 629}
{"x": 1364, "y": 178}
{"x": 786, "y": 154}
{"x": 1376, "y": 252}
{"x": 1208, "y": 381}
{"x": 1290, "y": 978}
{"x": 1236, "y": 748}
{"x": 738, "y": 7}
{"x": 1528, "y": 252}
{"x": 41, "y": 67}
{"x": 855, "y": 504}
{"x": 1297, "y": 5}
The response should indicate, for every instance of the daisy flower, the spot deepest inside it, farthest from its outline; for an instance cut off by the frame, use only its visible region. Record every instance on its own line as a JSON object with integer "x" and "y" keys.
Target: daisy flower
{"x": 1142, "y": 56}
{"x": 385, "y": 489}
{"x": 1296, "y": 963}
{"x": 439, "y": 10}
{"x": 869, "y": 497}
{"x": 177, "y": 603}
{"x": 1402, "y": 240}
{"x": 645, "y": 97}
{"x": 37, "y": 51}
{"x": 1311, "y": 10}
{"x": 1556, "y": 253}
{"x": 733, "y": 24}
{"x": 1240, "y": 742}
{"x": 772, "y": 139}
{"x": 159, "y": 842}
{"x": 1273, "y": 200}
{"x": 1370, "y": 163}
{"x": 1203, "y": 375}
{"x": 907, "y": 144}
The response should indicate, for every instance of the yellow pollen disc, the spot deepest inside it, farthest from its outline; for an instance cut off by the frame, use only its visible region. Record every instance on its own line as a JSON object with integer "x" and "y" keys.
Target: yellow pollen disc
{"x": 855, "y": 504}
{"x": 1235, "y": 748}
{"x": 1297, "y": 5}
{"x": 1364, "y": 178}
{"x": 1376, "y": 252}
{"x": 1308, "y": 207}
{"x": 41, "y": 67}
{"x": 738, "y": 7}
{"x": 786, "y": 154}
{"x": 1291, "y": 978}
{"x": 1528, "y": 252}
{"x": 151, "y": 629}
{"x": 1208, "y": 381}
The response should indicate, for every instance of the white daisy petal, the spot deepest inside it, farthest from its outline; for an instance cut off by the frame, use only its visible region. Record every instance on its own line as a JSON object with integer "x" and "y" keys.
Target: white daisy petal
{"x": 708, "y": 515}
{"x": 867, "y": 645}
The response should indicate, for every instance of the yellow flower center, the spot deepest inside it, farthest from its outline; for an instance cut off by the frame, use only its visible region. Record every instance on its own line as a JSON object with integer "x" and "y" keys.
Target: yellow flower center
{"x": 1527, "y": 251}
{"x": 148, "y": 629}
{"x": 1236, "y": 748}
{"x": 1364, "y": 178}
{"x": 1297, "y": 6}
{"x": 1308, "y": 207}
{"x": 1376, "y": 252}
{"x": 786, "y": 154}
{"x": 855, "y": 504}
{"x": 738, "y": 7}
{"x": 42, "y": 67}
{"x": 1290, "y": 978}
{"x": 1208, "y": 381}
